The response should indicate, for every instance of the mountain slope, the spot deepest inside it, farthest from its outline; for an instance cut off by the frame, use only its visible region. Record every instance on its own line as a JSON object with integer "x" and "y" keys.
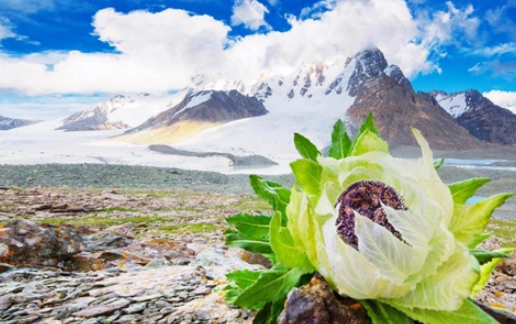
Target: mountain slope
{"x": 10, "y": 123}
{"x": 479, "y": 116}
{"x": 199, "y": 110}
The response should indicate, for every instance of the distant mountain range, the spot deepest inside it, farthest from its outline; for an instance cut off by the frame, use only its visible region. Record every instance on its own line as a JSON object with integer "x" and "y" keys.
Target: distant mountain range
{"x": 231, "y": 116}
{"x": 10, "y": 123}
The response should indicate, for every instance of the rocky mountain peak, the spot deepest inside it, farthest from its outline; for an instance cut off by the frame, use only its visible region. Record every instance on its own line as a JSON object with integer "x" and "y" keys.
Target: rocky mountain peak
{"x": 396, "y": 109}
{"x": 477, "y": 114}
{"x": 372, "y": 62}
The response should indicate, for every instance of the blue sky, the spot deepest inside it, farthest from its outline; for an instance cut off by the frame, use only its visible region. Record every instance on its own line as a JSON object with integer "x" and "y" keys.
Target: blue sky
{"x": 59, "y": 56}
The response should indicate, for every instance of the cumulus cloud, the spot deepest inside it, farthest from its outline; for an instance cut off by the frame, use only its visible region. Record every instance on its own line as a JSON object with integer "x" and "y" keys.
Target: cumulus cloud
{"x": 506, "y": 99}
{"x": 164, "y": 50}
{"x": 249, "y": 13}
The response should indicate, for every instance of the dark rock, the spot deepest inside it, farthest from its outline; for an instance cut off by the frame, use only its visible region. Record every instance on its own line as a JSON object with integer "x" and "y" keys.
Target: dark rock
{"x": 316, "y": 303}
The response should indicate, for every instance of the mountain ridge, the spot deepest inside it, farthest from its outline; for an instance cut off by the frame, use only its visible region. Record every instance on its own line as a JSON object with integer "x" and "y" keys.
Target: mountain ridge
{"x": 230, "y": 116}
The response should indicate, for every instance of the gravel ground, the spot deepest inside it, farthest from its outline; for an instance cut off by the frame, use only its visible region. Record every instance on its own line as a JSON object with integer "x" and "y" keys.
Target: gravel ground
{"x": 123, "y": 176}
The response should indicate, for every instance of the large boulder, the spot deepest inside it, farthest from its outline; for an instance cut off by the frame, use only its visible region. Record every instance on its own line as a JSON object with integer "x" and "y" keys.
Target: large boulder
{"x": 25, "y": 243}
{"x": 316, "y": 303}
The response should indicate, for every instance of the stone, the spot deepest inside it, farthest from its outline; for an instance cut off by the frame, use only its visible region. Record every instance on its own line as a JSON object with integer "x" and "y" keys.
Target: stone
{"x": 25, "y": 243}
{"x": 102, "y": 309}
{"x": 202, "y": 290}
{"x": 316, "y": 303}
{"x": 135, "y": 308}
{"x": 5, "y": 301}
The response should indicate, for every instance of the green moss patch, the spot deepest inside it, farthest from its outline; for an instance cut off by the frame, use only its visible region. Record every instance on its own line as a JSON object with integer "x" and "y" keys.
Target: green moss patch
{"x": 505, "y": 230}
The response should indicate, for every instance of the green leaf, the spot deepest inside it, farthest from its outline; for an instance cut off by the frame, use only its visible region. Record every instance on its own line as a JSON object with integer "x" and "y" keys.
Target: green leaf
{"x": 468, "y": 222}
{"x": 462, "y": 191}
{"x": 275, "y": 194}
{"x": 306, "y": 148}
{"x": 479, "y": 239}
{"x": 263, "y": 315}
{"x": 247, "y": 243}
{"x": 284, "y": 247}
{"x": 368, "y": 139}
{"x": 253, "y": 226}
{"x": 369, "y": 125}
{"x": 243, "y": 278}
{"x": 439, "y": 163}
{"x": 269, "y": 313}
{"x": 308, "y": 175}
{"x": 485, "y": 256}
{"x": 271, "y": 286}
{"x": 340, "y": 141}
{"x": 369, "y": 142}
{"x": 468, "y": 313}
{"x": 485, "y": 272}
{"x": 381, "y": 313}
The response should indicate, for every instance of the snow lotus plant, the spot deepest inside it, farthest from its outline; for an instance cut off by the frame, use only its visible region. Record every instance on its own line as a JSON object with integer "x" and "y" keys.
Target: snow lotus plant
{"x": 385, "y": 231}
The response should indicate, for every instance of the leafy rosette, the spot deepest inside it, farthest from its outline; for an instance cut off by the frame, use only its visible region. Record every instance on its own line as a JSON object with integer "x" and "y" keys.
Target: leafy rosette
{"x": 383, "y": 230}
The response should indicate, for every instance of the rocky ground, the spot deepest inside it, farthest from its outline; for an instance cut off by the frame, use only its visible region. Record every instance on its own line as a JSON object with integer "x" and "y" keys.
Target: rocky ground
{"x": 138, "y": 256}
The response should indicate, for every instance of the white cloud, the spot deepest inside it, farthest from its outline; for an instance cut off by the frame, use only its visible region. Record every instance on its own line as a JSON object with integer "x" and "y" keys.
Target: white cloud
{"x": 317, "y": 9}
{"x": 496, "y": 50}
{"x": 6, "y": 29}
{"x": 164, "y": 50}
{"x": 453, "y": 26}
{"x": 506, "y": 99}
{"x": 249, "y": 13}
{"x": 156, "y": 53}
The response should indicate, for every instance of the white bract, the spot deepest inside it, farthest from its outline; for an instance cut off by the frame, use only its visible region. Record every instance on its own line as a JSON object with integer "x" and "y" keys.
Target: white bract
{"x": 430, "y": 268}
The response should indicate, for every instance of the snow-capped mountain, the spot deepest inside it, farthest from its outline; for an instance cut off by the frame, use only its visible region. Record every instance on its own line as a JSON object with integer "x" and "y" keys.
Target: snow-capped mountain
{"x": 198, "y": 110}
{"x": 311, "y": 99}
{"x": 121, "y": 111}
{"x": 479, "y": 115}
{"x": 10, "y": 123}
{"x": 229, "y": 116}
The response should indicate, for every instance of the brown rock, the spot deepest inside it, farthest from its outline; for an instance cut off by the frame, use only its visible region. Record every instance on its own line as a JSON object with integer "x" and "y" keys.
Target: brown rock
{"x": 32, "y": 244}
{"x": 397, "y": 108}
{"x": 316, "y": 303}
